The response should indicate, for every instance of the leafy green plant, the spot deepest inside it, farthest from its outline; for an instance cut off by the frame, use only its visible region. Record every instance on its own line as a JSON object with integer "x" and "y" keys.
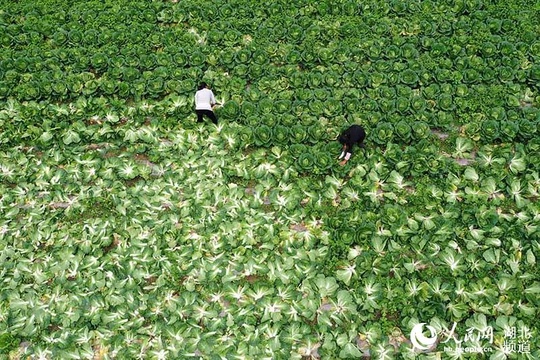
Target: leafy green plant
{"x": 7, "y": 343}
{"x": 262, "y": 135}
{"x": 383, "y": 133}
{"x": 305, "y": 162}
{"x": 298, "y": 133}
{"x": 403, "y": 130}
{"x": 490, "y": 130}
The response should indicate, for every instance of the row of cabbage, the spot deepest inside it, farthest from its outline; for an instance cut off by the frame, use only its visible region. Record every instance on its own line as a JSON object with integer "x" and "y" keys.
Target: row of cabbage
{"x": 260, "y": 123}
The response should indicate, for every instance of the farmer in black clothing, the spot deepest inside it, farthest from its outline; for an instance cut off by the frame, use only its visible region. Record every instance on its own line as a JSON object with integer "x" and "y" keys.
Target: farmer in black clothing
{"x": 355, "y": 134}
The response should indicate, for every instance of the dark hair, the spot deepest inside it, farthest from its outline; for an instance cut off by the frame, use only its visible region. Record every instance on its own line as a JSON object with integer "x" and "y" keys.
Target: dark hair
{"x": 202, "y": 85}
{"x": 343, "y": 138}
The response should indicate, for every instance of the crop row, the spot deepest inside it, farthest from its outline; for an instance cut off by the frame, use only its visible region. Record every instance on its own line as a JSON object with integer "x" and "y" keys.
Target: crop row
{"x": 268, "y": 123}
{"x": 34, "y": 78}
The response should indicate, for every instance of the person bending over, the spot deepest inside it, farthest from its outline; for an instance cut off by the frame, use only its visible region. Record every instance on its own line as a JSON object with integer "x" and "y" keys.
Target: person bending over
{"x": 355, "y": 134}
{"x": 204, "y": 103}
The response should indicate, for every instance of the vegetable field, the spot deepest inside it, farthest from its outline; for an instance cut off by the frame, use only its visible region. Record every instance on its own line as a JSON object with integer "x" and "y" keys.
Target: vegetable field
{"x": 130, "y": 231}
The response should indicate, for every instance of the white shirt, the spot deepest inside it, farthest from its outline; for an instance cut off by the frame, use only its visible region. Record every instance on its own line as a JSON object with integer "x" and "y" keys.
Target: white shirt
{"x": 204, "y": 99}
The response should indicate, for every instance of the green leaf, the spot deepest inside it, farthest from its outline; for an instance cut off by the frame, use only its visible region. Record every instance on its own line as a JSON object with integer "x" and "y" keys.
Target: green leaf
{"x": 471, "y": 174}
{"x": 327, "y": 285}
{"x": 71, "y": 137}
{"x": 492, "y": 255}
{"x": 350, "y": 351}
{"x": 463, "y": 147}
{"x": 498, "y": 355}
{"x": 46, "y": 137}
{"x": 7, "y": 343}
{"x": 534, "y": 289}
{"x": 345, "y": 274}
{"x": 517, "y": 165}
{"x": 531, "y": 259}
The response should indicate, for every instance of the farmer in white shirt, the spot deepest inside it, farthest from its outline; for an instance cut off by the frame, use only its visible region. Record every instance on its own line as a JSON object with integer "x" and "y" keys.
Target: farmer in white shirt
{"x": 204, "y": 103}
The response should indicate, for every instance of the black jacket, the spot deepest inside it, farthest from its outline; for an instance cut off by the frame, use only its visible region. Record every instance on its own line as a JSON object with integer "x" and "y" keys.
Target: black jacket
{"x": 355, "y": 134}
